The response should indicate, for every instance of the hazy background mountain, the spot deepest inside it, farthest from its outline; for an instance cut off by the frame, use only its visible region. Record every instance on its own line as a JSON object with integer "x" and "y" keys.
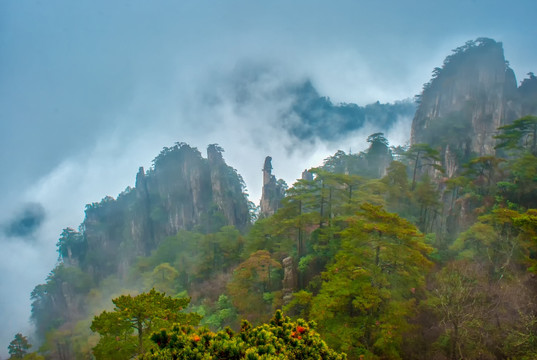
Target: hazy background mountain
{"x": 91, "y": 91}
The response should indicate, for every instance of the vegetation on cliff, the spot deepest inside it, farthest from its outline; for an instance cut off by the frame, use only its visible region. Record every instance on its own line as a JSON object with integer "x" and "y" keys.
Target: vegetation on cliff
{"x": 420, "y": 252}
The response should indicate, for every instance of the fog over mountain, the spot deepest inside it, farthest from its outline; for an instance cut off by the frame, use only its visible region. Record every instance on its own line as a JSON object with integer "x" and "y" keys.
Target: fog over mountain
{"x": 90, "y": 91}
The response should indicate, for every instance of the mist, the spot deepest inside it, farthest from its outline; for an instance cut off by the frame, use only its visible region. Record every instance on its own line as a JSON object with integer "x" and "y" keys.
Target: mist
{"x": 26, "y": 222}
{"x": 91, "y": 91}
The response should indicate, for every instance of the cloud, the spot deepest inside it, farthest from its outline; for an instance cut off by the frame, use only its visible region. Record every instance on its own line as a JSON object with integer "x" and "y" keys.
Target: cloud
{"x": 26, "y": 222}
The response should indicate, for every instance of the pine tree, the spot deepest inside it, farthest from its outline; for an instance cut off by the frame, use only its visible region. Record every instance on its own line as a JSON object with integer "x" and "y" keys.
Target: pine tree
{"x": 18, "y": 347}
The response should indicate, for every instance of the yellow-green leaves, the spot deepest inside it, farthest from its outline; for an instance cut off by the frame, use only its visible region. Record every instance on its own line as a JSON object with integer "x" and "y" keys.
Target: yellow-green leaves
{"x": 125, "y": 331}
{"x": 370, "y": 290}
{"x": 280, "y": 339}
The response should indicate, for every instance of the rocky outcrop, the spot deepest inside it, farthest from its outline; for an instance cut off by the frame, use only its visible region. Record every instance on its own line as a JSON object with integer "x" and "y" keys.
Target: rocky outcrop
{"x": 227, "y": 188}
{"x": 527, "y": 94}
{"x": 290, "y": 279}
{"x": 459, "y": 112}
{"x": 378, "y": 156}
{"x": 460, "y": 109}
{"x": 306, "y": 175}
{"x": 273, "y": 191}
{"x": 473, "y": 94}
{"x": 182, "y": 191}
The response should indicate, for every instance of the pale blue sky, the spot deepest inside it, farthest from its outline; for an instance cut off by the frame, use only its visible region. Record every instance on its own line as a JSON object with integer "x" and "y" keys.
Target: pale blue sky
{"x": 90, "y": 90}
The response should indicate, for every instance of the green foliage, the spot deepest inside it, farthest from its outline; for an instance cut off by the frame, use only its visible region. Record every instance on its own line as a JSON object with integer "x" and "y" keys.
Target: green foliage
{"x": 70, "y": 343}
{"x": 163, "y": 278}
{"x": 223, "y": 315}
{"x": 502, "y": 240}
{"x": 369, "y": 291}
{"x": 522, "y": 188}
{"x": 252, "y": 279}
{"x": 425, "y": 197}
{"x": 481, "y": 304}
{"x": 280, "y": 339}
{"x": 212, "y": 220}
{"x": 520, "y": 135}
{"x": 18, "y": 347}
{"x": 191, "y": 258}
{"x": 341, "y": 163}
{"x": 304, "y": 262}
{"x": 484, "y": 172}
{"x": 370, "y": 163}
{"x": 460, "y": 301}
{"x": 300, "y": 305}
{"x": 359, "y": 271}
{"x": 71, "y": 245}
{"x": 378, "y": 155}
{"x": 377, "y": 138}
{"x": 452, "y": 61}
{"x": 519, "y": 139}
{"x": 271, "y": 234}
{"x": 422, "y": 156}
{"x": 125, "y": 331}
{"x": 398, "y": 188}
{"x": 521, "y": 341}
{"x": 33, "y": 356}
{"x": 49, "y": 302}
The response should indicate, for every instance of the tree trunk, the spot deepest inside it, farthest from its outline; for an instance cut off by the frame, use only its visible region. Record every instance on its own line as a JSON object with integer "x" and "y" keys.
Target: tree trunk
{"x": 322, "y": 205}
{"x": 455, "y": 342}
{"x": 415, "y": 170}
{"x": 139, "y": 327}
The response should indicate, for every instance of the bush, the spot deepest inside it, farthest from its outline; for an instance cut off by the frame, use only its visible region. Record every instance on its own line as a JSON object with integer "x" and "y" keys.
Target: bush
{"x": 280, "y": 339}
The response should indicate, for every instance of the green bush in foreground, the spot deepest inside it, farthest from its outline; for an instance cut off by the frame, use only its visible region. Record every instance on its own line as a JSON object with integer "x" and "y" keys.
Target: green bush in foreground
{"x": 280, "y": 339}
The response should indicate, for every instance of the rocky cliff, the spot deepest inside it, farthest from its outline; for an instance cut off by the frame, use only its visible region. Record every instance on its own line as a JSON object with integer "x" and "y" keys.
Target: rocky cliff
{"x": 227, "y": 188}
{"x": 473, "y": 94}
{"x": 459, "y": 112}
{"x": 182, "y": 191}
{"x": 273, "y": 190}
{"x": 468, "y": 98}
{"x": 527, "y": 94}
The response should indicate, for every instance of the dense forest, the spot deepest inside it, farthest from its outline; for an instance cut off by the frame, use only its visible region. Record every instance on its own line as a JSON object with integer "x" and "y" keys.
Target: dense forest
{"x": 425, "y": 251}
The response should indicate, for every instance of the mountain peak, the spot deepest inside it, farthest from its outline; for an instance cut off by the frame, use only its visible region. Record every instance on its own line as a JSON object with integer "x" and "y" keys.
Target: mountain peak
{"x": 467, "y": 99}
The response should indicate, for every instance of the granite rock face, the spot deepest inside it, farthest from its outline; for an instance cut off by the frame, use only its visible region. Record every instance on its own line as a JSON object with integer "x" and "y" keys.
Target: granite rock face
{"x": 527, "y": 95}
{"x": 273, "y": 190}
{"x": 227, "y": 189}
{"x": 183, "y": 191}
{"x": 290, "y": 279}
{"x": 460, "y": 109}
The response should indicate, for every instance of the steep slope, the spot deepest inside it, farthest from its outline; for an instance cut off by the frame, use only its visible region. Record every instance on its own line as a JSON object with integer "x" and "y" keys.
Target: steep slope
{"x": 527, "y": 93}
{"x": 473, "y": 94}
{"x": 459, "y": 113}
{"x": 182, "y": 191}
